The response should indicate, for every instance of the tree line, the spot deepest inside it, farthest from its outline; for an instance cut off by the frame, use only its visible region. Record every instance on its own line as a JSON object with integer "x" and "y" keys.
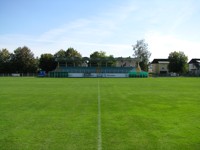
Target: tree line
{"x": 22, "y": 60}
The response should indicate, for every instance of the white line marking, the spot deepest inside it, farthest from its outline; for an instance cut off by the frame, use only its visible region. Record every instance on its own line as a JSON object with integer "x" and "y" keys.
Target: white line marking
{"x": 99, "y": 119}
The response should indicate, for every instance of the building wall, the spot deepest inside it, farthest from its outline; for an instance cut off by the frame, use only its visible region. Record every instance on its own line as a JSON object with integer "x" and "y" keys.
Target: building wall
{"x": 193, "y": 70}
{"x": 125, "y": 63}
{"x": 158, "y": 68}
{"x": 192, "y": 67}
{"x": 155, "y": 68}
{"x": 163, "y": 68}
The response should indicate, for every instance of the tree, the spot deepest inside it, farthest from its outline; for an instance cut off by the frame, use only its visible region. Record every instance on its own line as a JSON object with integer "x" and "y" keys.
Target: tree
{"x": 73, "y": 56}
{"x": 5, "y": 58}
{"x": 95, "y": 57}
{"x": 141, "y": 51}
{"x": 97, "y": 54}
{"x": 111, "y": 61}
{"x": 71, "y": 52}
{"x": 23, "y": 60}
{"x": 47, "y": 62}
{"x": 177, "y": 62}
{"x": 101, "y": 58}
{"x": 60, "y": 56}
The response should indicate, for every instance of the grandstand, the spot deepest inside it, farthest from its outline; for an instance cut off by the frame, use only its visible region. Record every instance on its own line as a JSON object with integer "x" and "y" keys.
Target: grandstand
{"x": 99, "y": 67}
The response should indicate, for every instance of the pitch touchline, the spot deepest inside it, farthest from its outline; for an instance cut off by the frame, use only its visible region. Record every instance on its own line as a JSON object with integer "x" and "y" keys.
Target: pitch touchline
{"x": 99, "y": 119}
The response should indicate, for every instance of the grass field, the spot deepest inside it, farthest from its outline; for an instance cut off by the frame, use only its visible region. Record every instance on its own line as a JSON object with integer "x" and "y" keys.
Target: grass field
{"x": 150, "y": 114}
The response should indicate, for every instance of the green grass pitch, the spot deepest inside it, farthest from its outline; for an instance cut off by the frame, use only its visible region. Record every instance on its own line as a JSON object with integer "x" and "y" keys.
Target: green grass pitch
{"x": 56, "y": 114}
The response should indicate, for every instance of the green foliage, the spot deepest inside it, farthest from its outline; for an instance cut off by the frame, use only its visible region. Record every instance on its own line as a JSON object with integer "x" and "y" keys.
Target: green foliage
{"x": 141, "y": 51}
{"x": 110, "y": 61}
{"x": 71, "y": 52}
{"x": 106, "y": 60}
{"x": 4, "y": 55}
{"x": 178, "y": 62}
{"x": 60, "y": 54}
{"x": 96, "y": 54}
{"x": 47, "y": 62}
{"x": 23, "y": 60}
{"x": 73, "y": 57}
{"x": 5, "y": 58}
{"x": 150, "y": 114}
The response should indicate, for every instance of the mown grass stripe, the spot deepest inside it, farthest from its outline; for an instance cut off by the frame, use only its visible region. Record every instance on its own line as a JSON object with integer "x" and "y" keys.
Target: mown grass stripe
{"x": 99, "y": 118}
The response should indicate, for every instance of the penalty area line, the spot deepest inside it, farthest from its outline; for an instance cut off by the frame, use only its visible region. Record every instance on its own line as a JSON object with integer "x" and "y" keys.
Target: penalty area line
{"x": 99, "y": 119}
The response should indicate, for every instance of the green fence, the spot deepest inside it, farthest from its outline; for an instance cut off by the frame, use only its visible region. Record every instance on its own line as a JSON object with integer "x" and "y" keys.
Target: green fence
{"x": 58, "y": 74}
{"x": 141, "y": 74}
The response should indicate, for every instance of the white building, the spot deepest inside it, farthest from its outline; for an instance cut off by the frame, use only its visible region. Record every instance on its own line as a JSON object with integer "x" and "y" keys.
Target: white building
{"x": 160, "y": 66}
{"x": 194, "y": 66}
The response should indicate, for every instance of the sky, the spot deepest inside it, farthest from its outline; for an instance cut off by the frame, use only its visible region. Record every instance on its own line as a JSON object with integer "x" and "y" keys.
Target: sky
{"x": 113, "y": 26}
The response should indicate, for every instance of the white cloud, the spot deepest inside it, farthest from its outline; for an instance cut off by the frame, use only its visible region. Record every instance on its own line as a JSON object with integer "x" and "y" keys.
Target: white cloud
{"x": 114, "y": 31}
{"x": 62, "y": 32}
{"x": 89, "y": 34}
{"x": 186, "y": 10}
{"x": 161, "y": 45}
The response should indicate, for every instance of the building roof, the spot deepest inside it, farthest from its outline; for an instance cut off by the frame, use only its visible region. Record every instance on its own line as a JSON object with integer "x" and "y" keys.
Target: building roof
{"x": 195, "y": 60}
{"x": 73, "y": 59}
{"x": 158, "y": 61}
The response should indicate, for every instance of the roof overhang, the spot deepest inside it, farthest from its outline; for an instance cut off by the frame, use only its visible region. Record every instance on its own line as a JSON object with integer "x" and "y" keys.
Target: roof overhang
{"x": 163, "y": 62}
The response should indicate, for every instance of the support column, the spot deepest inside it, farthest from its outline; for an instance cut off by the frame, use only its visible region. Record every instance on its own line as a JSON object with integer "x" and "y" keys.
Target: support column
{"x": 58, "y": 66}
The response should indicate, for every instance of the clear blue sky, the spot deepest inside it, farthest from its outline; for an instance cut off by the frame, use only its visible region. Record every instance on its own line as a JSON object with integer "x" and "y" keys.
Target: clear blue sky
{"x": 113, "y": 26}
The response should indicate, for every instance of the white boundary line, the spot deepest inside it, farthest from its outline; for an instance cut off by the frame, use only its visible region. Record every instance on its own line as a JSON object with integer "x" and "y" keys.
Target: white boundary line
{"x": 99, "y": 119}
